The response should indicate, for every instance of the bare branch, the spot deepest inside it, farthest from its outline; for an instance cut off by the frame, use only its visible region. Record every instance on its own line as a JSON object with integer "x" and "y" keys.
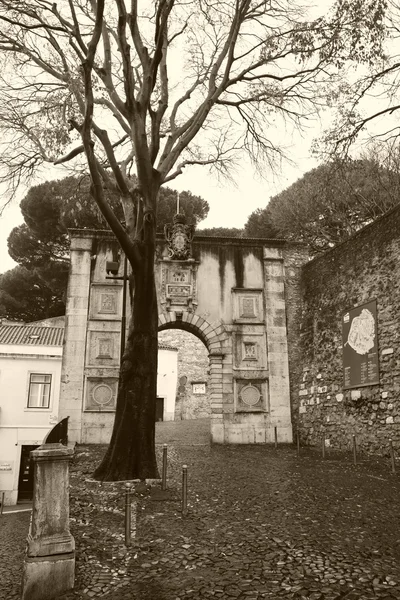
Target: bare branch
{"x": 70, "y": 155}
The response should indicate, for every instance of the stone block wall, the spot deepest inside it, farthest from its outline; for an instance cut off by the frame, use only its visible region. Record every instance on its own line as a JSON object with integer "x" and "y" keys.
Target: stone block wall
{"x": 362, "y": 269}
{"x": 193, "y": 369}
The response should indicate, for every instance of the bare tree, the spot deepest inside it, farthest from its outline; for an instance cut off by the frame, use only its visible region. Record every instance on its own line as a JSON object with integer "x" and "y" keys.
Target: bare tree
{"x": 368, "y": 100}
{"x": 127, "y": 89}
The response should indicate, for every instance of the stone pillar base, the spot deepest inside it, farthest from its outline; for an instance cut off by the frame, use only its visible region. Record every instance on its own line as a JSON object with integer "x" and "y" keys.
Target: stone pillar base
{"x": 45, "y": 578}
{"x": 243, "y": 433}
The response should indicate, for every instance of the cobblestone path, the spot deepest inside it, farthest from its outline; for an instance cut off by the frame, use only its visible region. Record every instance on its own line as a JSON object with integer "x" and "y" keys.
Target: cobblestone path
{"x": 262, "y": 523}
{"x": 13, "y": 532}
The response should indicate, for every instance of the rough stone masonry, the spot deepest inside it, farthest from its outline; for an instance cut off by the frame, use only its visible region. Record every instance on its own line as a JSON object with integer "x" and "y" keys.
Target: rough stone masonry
{"x": 360, "y": 270}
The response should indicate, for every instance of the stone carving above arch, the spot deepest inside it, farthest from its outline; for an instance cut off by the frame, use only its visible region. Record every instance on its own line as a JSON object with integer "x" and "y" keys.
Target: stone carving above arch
{"x": 178, "y": 289}
{"x": 179, "y": 237}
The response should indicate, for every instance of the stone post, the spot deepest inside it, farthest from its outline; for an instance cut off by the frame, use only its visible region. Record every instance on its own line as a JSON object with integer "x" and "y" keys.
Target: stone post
{"x": 49, "y": 564}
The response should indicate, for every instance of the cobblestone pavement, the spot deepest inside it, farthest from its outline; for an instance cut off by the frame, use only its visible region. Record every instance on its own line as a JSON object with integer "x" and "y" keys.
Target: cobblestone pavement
{"x": 13, "y": 532}
{"x": 261, "y": 523}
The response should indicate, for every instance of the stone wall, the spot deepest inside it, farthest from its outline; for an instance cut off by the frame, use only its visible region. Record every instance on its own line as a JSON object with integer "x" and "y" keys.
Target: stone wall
{"x": 193, "y": 367}
{"x": 364, "y": 268}
{"x": 294, "y": 259}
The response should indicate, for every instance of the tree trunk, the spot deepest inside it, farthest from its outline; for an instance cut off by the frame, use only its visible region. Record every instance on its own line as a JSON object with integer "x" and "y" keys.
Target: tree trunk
{"x": 131, "y": 453}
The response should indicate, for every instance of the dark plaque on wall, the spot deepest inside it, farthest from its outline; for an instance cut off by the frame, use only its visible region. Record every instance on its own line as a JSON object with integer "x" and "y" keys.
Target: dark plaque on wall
{"x": 360, "y": 346}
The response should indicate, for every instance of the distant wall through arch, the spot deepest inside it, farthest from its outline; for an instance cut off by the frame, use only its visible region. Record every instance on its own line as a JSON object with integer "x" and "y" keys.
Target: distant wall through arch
{"x": 192, "y": 397}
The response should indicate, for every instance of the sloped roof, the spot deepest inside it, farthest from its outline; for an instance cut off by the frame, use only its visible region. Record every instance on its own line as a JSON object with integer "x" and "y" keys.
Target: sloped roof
{"x": 31, "y": 335}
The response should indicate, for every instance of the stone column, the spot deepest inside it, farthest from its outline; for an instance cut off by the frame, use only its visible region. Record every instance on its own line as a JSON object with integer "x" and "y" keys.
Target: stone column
{"x": 277, "y": 348}
{"x": 73, "y": 361}
{"x": 49, "y": 565}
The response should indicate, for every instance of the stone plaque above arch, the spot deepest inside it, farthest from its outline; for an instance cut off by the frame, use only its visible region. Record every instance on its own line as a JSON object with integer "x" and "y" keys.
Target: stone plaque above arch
{"x": 178, "y": 289}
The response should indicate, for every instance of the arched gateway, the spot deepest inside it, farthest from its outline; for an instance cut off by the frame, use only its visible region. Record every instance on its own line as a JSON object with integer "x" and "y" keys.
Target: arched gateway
{"x": 239, "y": 296}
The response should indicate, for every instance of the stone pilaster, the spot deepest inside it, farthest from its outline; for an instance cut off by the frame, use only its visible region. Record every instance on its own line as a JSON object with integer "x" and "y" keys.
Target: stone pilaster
{"x": 277, "y": 350}
{"x": 73, "y": 362}
{"x": 217, "y": 426}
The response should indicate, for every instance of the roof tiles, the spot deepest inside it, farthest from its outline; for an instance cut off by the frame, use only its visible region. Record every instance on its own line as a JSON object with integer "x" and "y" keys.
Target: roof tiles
{"x": 32, "y": 335}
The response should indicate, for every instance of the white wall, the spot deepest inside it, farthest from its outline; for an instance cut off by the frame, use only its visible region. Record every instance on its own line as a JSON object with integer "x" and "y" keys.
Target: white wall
{"x": 167, "y": 380}
{"x": 20, "y": 425}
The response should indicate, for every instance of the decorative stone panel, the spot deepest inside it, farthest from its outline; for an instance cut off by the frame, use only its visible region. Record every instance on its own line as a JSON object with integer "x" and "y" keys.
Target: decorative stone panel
{"x": 247, "y": 305}
{"x": 103, "y": 348}
{"x": 101, "y": 393}
{"x": 106, "y": 302}
{"x": 250, "y": 348}
{"x": 251, "y": 395}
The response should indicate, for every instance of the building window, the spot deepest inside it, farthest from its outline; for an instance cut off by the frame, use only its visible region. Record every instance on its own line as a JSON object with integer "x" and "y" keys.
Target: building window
{"x": 39, "y": 391}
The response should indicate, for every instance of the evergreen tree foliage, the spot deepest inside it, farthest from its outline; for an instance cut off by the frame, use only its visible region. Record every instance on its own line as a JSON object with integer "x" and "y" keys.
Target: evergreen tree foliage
{"x": 329, "y": 203}
{"x": 41, "y": 243}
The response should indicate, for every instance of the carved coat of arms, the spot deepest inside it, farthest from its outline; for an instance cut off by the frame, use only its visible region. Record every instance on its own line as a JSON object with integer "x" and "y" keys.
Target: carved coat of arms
{"x": 179, "y": 237}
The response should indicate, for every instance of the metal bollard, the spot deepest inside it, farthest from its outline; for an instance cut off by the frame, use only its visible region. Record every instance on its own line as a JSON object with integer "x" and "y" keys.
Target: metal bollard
{"x": 184, "y": 489}
{"x": 164, "y": 468}
{"x": 392, "y": 457}
{"x": 2, "y": 502}
{"x": 323, "y": 447}
{"x": 354, "y": 451}
{"x": 298, "y": 443}
{"x": 276, "y": 437}
{"x": 128, "y": 487}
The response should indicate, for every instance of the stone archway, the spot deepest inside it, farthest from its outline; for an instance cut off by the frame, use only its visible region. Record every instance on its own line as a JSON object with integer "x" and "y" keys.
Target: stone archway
{"x": 237, "y": 295}
{"x": 215, "y": 338}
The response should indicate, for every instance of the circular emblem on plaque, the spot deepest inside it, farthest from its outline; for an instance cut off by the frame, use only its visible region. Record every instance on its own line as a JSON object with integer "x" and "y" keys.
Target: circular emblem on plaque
{"x": 250, "y": 395}
{"x": 102, "y": 394}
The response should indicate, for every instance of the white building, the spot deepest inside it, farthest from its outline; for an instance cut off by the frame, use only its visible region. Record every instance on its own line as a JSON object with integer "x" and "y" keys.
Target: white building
{"x": 30, "y": 372}
{"x": 166, "y": 382}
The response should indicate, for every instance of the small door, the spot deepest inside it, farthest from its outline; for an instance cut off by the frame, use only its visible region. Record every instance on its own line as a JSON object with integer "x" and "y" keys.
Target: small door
{"x": 25, "y": 482}
{"x": 160, "y": 409}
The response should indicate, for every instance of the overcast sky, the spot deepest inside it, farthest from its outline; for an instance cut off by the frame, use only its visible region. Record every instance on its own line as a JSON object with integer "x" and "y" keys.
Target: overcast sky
{"x": 229, "y": 205}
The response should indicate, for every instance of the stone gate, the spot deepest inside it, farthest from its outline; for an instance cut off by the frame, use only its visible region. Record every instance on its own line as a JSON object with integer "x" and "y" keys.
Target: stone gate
{"x": 238, "y": 295}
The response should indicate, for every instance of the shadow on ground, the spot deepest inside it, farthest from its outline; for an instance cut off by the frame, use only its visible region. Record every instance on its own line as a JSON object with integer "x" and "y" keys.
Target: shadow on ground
{"x": 261, "y": 523}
